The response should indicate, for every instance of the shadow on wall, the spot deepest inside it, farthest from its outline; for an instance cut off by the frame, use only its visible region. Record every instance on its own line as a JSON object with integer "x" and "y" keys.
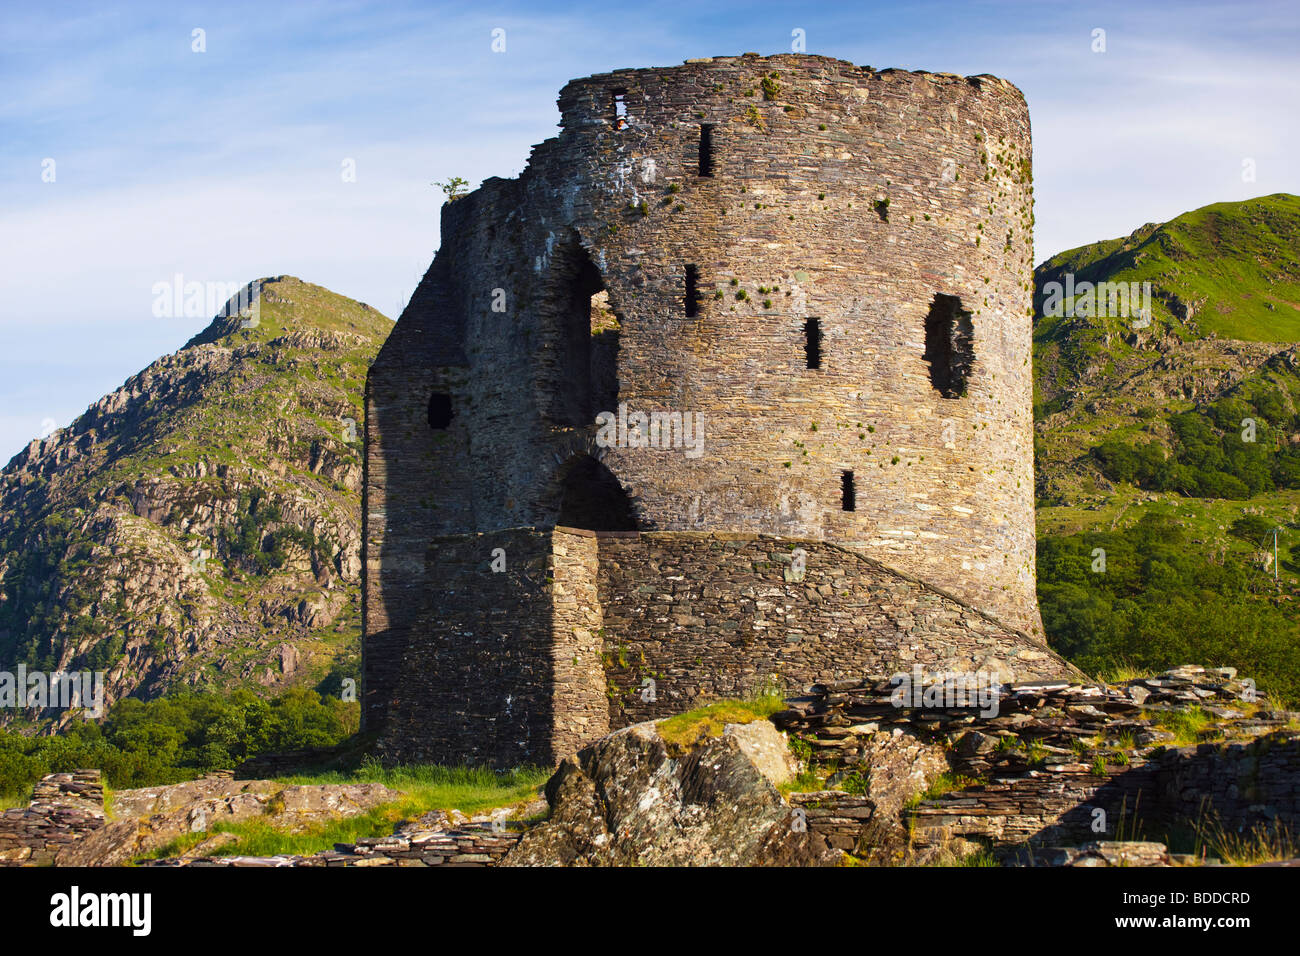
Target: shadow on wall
{"x": 462, "y": 655}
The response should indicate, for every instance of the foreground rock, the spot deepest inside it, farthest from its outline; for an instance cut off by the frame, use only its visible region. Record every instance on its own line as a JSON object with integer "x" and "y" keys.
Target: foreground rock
{"x": 150, "y": 818}
{"x": 626, "y": 801}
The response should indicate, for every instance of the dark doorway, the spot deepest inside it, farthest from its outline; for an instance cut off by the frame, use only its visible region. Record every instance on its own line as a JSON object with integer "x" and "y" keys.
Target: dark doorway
{"x": 592, "y": 498}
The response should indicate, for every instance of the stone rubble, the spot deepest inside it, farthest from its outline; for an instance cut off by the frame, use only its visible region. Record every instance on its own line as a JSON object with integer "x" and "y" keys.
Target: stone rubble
{"x": 1055, "y": 753}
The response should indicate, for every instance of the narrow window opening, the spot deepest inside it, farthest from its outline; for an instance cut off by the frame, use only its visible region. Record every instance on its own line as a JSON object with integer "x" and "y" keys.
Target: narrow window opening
{"x": 812, "y": 333}
{"x": 439, "y": 411}
{"x": 692, "y": 292}
{"x": 848, "y": 494}
{"x": 605, "y": 331}
{"x": 949, "y": 345}
{"x": 706, "y": 149}
{"x": 620, "y": 109}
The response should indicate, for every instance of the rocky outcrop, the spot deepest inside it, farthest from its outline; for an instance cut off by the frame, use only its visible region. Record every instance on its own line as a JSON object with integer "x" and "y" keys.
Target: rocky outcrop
{"x": 625, "y": 801}
{"x": 152, "y": 817}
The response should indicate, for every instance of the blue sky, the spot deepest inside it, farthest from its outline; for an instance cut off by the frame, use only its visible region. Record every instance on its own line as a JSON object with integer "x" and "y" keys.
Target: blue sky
{"x": 226, "y": 165}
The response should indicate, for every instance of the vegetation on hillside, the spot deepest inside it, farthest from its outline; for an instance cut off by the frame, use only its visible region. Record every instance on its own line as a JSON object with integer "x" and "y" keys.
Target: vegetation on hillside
{"x": 1167, "y": 454}
{"x": 189, "y": 525}
{"x": 181, "y": 737}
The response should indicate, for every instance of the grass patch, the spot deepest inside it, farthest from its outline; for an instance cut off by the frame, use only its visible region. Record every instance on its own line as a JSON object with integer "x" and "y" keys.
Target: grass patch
{"x": 1189, "y": 727}
{"x": 685, "y": 730}
{"x": 1260, "y": 844}
{"x": 944, "y": 783}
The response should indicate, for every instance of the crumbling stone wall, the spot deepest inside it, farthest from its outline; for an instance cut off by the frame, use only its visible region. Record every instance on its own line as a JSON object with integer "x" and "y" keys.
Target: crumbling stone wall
{"x": 64, "y": 808}
{"x": 1074, "y": 789}
{"x": 829, "y": 265}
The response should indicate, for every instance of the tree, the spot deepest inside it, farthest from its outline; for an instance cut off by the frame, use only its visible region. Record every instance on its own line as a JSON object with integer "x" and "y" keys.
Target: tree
{"x": 454, "y": 188}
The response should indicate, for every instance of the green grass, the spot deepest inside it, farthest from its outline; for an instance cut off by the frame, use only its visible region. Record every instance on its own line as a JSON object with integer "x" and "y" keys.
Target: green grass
{"x": 684, "y": 730}
{"x": 982, "y": 857}
{"x": 1261, "y": 844}
{"x": 944, "y": 783}
{"x": 1189, "y": 727}
{"x": 1234, "y": 255}
{"x": 424, "y": 787}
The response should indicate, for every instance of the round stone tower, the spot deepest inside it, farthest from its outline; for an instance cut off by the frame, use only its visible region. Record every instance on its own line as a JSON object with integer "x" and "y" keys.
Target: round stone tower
{"x": 811, "y": 278}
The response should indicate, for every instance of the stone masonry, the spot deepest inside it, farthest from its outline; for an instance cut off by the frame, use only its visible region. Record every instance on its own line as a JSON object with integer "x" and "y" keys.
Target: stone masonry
{"x": 820, "y": 270}
{"x": 64, "y": 808}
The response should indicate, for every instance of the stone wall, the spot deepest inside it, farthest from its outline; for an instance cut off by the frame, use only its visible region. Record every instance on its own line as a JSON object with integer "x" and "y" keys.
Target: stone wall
{"x": 64, "y": 808}
{"x": 581, "y": 632}
{"x": 499, "y": 667}
{"x": 713, "y": 615}
{"x": 1059, "y": 764}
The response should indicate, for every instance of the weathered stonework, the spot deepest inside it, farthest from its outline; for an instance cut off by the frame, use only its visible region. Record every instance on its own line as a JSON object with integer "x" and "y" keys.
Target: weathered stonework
{"x": 65, "y": 807}
{"x": 831, "y": 268}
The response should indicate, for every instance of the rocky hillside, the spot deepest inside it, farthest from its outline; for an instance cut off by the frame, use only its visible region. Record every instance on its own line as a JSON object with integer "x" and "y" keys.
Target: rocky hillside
{"x": 200, "y": 526}
{"x": 1224, "y": 312}
{"x": 1169, "y": 438}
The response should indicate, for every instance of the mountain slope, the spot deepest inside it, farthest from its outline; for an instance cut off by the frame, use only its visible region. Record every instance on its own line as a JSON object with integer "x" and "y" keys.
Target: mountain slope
{"x": 200, "y": 526}
{"x": 1168, "y": 445}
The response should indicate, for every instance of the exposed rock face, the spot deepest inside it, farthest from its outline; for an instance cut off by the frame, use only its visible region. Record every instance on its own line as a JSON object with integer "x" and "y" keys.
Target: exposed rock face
{"x": 152, "y": 817}
{"x": 625, "y": 801}
{"x": 200, "y": 525}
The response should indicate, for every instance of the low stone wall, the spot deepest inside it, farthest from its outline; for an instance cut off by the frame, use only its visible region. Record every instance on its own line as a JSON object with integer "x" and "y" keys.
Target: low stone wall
{"x": 709, "y": 616}
{"x": 532, "y": 644}
{"x": 1059, "y": 764}
{"x": 64, "y": 808}
{"x": 442, "y": 838}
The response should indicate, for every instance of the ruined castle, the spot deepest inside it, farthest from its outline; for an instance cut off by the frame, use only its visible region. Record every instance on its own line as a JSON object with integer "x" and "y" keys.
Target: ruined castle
{"x": 731, "y": 386}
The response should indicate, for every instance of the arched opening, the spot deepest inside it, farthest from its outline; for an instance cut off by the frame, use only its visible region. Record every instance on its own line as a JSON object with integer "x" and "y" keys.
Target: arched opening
{"x": 949, "y": 345}
{"x": 592, "y": 498}
{"x": 578, "y": 355}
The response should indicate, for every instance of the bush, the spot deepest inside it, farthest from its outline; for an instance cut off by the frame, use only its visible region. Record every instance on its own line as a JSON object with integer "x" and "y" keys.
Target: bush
{"x": 1161, "y": 603}
{"x": 146, "y": 743}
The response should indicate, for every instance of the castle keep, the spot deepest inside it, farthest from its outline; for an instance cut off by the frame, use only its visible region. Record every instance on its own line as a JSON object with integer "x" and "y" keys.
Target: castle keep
{"x": 826, "y": 271}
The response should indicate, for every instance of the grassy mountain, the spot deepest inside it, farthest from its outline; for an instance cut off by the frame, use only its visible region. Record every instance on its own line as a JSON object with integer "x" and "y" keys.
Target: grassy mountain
{"x": 200, "y": 526}
{"x": 1170, "y": 441}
